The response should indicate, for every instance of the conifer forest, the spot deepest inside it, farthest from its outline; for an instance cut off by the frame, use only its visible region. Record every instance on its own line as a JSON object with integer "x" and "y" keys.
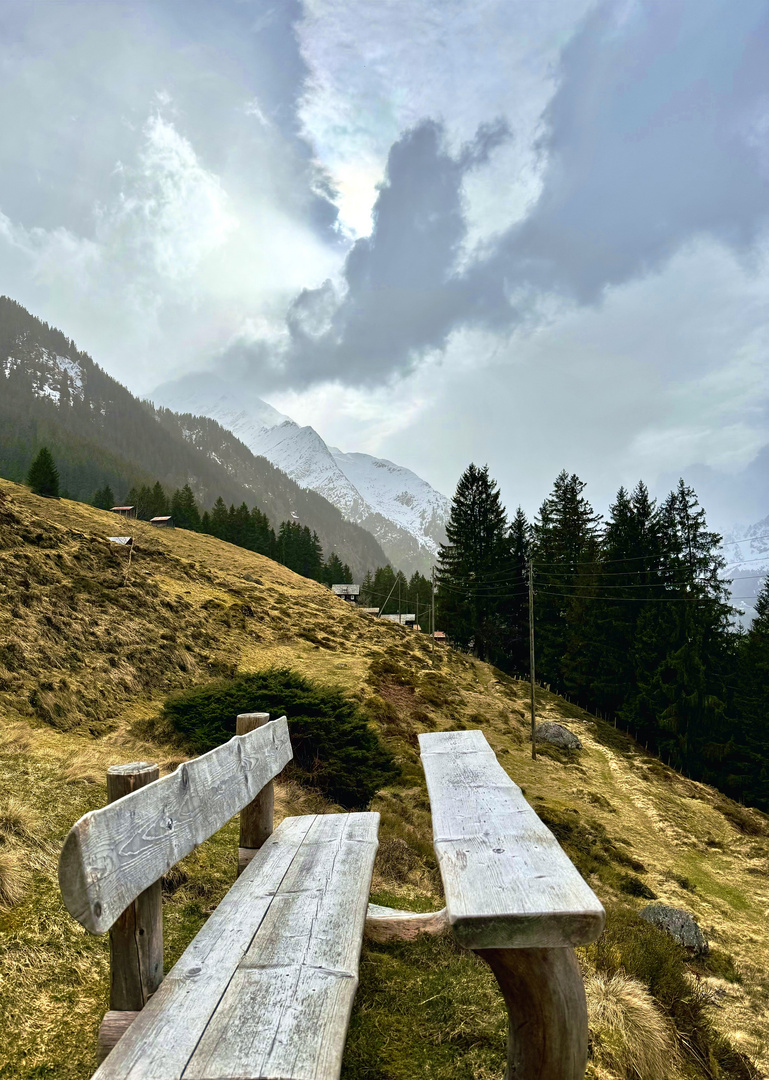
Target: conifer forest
{"x": 631, "y": 619}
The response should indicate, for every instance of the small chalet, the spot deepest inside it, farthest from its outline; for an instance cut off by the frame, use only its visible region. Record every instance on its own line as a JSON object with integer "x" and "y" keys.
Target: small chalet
{"x": 439, "y": 635}
{"x": 162, "y": 522}
{"x": 347, "y": 592}
{"x": 125, "y": 511}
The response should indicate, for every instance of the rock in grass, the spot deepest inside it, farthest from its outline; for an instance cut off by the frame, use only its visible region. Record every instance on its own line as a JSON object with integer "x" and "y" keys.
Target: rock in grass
{"x": 558, "y": 735}
{"x": 680, "y": 925}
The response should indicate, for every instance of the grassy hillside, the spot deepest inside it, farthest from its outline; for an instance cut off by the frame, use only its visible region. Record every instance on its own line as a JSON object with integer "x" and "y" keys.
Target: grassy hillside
{"x": 89, "y": 649}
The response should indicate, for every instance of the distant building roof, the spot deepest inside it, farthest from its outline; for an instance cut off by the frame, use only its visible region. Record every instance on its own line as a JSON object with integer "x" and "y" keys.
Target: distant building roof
{"x": 161, "y": 521}
{"x": 118, "y": 509}
{"x": 120, "y": 539}
{"x": 399, "y": 618}
{"x": 439, "y": 635}
{"x": 346, "y": 590}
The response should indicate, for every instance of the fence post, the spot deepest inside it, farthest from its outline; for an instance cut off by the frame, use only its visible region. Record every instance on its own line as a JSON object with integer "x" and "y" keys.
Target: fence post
{"x": 257, "y": 818}
{"x": 136, "y": 938}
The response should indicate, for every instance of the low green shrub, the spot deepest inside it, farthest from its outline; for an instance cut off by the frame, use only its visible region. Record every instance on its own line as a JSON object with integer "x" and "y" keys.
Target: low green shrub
{"x": 335, "y": 750}
{"x": 633, "y": 886}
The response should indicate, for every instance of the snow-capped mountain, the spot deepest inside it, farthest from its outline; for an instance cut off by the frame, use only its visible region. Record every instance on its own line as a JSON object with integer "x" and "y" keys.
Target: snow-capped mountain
{"x": 401, "y": 510}
{"x": 746, "y": 550}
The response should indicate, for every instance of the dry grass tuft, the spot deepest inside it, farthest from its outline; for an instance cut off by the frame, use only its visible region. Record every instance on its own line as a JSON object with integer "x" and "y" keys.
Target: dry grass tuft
{"x": 630, "y": 1036}
{"x": 18, "y": 821}
{"x": 82, "y": 769}
{"x": 12, "y": 879}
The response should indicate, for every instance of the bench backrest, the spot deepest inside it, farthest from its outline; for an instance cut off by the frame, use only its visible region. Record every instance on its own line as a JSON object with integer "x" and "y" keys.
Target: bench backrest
{"x": 113, "y": 854}
{"x": 507, "y": 881}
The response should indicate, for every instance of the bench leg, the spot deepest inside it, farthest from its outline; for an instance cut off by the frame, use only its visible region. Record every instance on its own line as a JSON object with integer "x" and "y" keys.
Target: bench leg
{"x": 113, "y": 1027}
{"x": 545, "y": 998}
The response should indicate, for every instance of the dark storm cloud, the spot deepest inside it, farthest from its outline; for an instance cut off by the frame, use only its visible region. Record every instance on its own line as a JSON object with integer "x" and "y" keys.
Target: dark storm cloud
{"x": 399, "y": 293}
{"x": 652, "y": 140}
{"x": 648, "y": 145}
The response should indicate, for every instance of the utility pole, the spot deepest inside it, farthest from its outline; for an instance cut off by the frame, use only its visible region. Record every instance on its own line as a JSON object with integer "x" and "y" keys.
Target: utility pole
{"x": 531, "y": 659}
{"x": 399, "y": 598}
{"x": 432, "y": 602}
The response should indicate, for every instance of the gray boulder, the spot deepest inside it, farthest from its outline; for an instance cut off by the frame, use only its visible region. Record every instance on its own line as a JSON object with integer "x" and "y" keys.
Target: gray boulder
{"x": 680, "y": 925}
{"x": 558, "y": 735}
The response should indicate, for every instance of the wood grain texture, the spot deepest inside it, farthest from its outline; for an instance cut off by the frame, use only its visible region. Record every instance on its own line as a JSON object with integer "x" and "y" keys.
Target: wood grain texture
{"x": 161, "y": 1041}
{"x": 136, "y": 936}
{"x": 545, "y": 998}
{"x": 392, "y": 924}
{"x": 300, "y": 973}
{"x": 111, "y": 1030}
{"x": 113, "y": 854}
{"x": 507, "y": 881}
{"x": 257, "y": 817}
{"x": 266, "y": 988}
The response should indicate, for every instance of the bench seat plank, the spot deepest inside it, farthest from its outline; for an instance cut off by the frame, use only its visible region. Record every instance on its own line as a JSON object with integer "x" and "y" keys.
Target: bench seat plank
{"x": 266, "y": 988}
{"x": 111, "y": 855}
{"x": 507, "y": 881}
{"x": 300, "y": 974}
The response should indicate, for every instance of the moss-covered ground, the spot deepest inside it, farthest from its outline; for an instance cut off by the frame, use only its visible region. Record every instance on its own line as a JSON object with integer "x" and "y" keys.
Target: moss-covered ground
{"x": 90, "y": 647}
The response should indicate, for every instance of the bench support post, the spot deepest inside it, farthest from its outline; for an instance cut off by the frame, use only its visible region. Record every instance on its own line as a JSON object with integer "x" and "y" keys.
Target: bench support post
{"x": 545, "y": 999}
{"x": 257, "y": 818}
{"x": 136, "y": 938}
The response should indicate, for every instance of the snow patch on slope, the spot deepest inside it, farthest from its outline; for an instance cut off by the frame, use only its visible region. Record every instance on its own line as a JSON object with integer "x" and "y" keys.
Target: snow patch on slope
{"x": 400, "y": 509}
{"x": 746, "y": 550}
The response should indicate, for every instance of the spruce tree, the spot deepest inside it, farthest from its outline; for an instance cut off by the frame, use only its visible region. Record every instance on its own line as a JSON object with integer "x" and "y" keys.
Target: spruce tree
{"x": 748, "y": 778}
{"x": 220, "y": 520}
{"x": 184, "y": 509}
{"x": 43, "y": 476}
{"x": 104, "y": 499}
{"x": 564, "y": 555}
{"x": 517, "y": 608}
{"x": 474, "y": 567}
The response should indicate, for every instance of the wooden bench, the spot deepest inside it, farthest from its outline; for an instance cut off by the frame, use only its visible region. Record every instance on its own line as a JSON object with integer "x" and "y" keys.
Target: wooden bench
{"x": 513, "y": 897}
{"x": 266, "y": 988}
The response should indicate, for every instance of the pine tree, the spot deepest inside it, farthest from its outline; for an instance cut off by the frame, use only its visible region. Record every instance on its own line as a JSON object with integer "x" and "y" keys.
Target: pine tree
{"x": 158, "y": 502}
{"x": 184, "y": 509}
{"x": 517, "y": 607}
{"x": 220, "y": 520}
{"x": 43, "y": 476}
{"x": 564, "y": 551}
{"x": 474, "y": 567}
{"x": 334, "y": 571}
{"x": 104, "y": 498}
{"x": 748, "y": 779}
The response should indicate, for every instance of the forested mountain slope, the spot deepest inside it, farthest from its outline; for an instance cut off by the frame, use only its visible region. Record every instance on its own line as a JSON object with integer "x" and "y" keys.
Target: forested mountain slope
{"x": 99, "y": 433}
{"x": 89, "y": 650}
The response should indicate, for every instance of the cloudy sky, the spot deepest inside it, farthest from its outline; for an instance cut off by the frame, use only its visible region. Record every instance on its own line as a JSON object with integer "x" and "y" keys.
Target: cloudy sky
{"x": 523, "y": 233}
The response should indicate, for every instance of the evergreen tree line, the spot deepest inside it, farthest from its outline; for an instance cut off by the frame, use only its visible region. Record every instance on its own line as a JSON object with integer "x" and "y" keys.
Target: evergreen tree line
{"x": 393, "y": 593}
{"x": 631, "y": 618}
{"x": 294, "y": 546}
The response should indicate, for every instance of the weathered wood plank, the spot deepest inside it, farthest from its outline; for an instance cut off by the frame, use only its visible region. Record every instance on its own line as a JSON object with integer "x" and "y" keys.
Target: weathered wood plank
{"x": 136, "y": 937}
{"x": 507, "y": 881}
{"x": 257, "y": 817}
{"x": 392, "y": 924}
{"x": 161, "y": 1040}
{"x": 286, "y": 1012}
{"x": 113, "y": 854}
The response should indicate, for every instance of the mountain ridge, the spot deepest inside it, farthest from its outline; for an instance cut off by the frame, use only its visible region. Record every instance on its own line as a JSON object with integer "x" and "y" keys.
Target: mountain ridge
{"x": 56, "y": 395}
{"x": 400, "y": 509}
